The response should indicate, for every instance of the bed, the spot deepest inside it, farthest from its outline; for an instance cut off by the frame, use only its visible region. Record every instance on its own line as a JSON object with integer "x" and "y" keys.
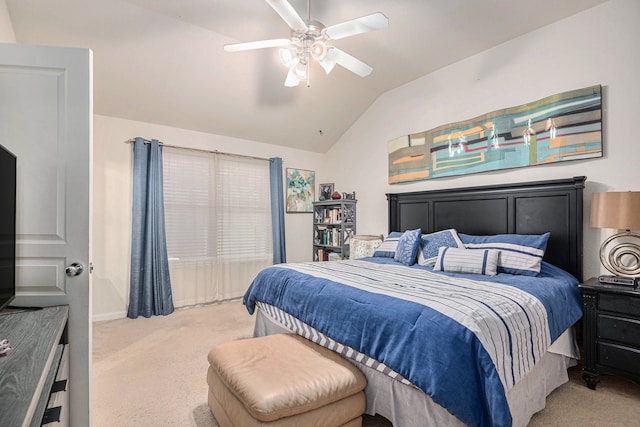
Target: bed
{"x": 427, "y": 361}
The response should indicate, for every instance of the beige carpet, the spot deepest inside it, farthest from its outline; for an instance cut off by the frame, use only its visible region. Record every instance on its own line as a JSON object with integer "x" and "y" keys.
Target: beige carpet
{"x": 614, "y": 403}
{"x": 151, "y": 372}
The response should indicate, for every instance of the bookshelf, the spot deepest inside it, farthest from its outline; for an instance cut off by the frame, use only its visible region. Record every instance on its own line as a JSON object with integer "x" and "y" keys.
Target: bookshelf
{"x": 334, "y": 222}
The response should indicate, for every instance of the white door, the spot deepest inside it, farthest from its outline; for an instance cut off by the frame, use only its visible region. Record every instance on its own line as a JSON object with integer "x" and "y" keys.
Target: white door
{"x": 46, "y": 121}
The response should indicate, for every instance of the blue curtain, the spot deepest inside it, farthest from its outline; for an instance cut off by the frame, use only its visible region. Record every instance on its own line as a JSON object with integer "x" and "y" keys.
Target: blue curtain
{"x": 150, "y": 286}
{"x": 276, "y": 187}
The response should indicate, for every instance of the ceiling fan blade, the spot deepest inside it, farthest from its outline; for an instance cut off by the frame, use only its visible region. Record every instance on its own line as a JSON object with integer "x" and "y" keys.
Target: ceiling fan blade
{"x": 349, "y": 62}
{"x": 375, "y": 21}
{"x": 260, "y": 44}
{"x": 288, "y": 14}
{"x": 327, "y": 64}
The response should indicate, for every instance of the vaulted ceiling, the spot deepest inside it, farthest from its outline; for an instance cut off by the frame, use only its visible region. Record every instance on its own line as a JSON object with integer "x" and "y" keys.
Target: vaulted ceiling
{"x": 162, "y": 61}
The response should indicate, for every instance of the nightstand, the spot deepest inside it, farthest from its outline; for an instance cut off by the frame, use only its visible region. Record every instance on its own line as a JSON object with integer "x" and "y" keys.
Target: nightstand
{"x": 611, "y": 328}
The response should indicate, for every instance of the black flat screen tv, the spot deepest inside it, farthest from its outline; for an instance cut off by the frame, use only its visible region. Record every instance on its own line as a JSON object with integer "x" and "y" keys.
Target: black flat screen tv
{"x": 7, "y": 227}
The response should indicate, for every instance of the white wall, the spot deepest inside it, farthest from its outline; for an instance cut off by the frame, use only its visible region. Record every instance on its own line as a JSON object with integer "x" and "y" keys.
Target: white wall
{"x": 598, "y": 46}
{"x": 112, "y": 169}
{"x": 6, "y": 27}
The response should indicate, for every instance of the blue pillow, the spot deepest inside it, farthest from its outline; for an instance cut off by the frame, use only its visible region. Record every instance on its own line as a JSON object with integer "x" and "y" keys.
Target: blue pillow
{"x": 519, "y": 253}
{"x": 430, "y": 243}
{"x": 455, "y": 260}
{"x": 408, "y": 244}
{"x": 389, "y": 245}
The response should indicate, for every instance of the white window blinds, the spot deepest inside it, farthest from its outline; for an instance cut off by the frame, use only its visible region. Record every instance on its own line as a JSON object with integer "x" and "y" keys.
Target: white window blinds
{"x": 243, "y": 220}
{"x": 189, "y": 204}
{"x": 218, "y": 223}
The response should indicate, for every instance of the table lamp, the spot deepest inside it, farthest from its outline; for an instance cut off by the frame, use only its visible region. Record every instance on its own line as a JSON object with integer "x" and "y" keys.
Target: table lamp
{"x": 619, "y": 253}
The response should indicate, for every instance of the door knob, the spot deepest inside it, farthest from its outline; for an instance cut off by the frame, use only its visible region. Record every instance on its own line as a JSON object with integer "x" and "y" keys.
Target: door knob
{"x": 74, "y": 269}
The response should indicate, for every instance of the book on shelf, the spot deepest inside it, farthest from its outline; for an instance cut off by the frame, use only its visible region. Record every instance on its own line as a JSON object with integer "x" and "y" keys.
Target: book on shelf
{"x": 328, "y": 216}
{"x": 324, "y": 255}
{"x": 328, "y": 236}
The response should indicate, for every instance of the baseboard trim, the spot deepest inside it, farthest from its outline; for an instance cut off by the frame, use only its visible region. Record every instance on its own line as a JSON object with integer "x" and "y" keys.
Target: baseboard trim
{"x": 109, "y": 316}
{"x": 123, "y": 314}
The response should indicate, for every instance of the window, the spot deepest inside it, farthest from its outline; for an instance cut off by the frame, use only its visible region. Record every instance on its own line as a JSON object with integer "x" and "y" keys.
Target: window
{"x": 218, "y": 223}
{"x": 242, "y": 189}
{"x": 188, "y": 205}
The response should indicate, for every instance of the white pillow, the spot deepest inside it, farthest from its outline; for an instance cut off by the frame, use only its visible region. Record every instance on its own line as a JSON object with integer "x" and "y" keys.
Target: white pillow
{"x": 519, "y": 253}
{"x": 388, "y": 247}
{"x": 470, "y": 261}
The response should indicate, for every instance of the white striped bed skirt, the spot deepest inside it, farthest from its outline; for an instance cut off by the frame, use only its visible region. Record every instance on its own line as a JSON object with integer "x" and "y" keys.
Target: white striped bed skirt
{"x": 302, "y": 329}
{"x": 397, "y": 399}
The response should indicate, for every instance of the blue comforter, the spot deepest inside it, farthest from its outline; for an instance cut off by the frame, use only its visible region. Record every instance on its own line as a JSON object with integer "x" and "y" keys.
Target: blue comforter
{"x": 409, "y": 323}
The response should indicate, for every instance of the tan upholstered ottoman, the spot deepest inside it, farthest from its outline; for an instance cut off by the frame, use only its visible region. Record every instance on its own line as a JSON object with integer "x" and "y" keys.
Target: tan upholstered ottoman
{"x": 283, "y": 380}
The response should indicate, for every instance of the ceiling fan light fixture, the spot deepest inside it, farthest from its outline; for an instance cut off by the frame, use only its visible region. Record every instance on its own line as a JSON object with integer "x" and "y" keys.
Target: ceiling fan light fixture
{"x": 318, "y": 50}
{"x": 300, "y": 70}
{"x": 291, "y": 80}
{"x": 287, "y": 56}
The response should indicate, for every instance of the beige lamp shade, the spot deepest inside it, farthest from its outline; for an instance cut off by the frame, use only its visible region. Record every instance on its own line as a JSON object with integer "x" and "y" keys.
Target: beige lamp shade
{"x": 612, "y": 209}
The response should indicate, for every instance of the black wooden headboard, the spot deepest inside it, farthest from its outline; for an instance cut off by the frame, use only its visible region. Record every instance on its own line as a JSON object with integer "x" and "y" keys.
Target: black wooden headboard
{"x": 524, "y": 208}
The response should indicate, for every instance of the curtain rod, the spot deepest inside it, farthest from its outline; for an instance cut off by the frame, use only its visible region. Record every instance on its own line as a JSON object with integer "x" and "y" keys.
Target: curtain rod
{"x": 146, "y": 141}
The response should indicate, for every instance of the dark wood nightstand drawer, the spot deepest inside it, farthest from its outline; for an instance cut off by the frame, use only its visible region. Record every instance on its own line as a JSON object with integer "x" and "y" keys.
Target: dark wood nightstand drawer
{"x": 623, "y": 305}
{"x": 619, "y": 329}
{"x": 611, "y": 331}
{"x": 619, "y": 357}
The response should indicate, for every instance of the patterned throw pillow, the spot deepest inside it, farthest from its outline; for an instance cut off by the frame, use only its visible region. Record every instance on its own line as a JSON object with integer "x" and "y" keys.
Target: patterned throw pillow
{"x": 519, "y": 253}
{"x": 408, "y": 247}
{"x": 457, "y": 260}
{"x": 430, "y": 243}
{"x": 361, "y": 247}
{"x": 388, "y": 247}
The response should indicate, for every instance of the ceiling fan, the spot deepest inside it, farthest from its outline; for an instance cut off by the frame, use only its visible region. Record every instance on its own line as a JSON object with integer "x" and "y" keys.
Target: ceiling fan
{"x": 311, "y": 40}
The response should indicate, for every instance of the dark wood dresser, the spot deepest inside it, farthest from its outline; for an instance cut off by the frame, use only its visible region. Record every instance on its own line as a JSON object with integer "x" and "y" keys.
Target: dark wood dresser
{"x": 611, "y": 328}
{"x": 33, "y": 376}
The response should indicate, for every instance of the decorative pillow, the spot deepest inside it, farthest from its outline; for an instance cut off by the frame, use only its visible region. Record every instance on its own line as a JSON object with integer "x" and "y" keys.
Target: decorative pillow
{"x": 430, "y": 243}
{"x": 519, "y": 253}
{"x": 363, "y": 246}
{"x": 455, "y": 260}
{"x": 408, "y": 247}
{"x": 388, "y": 247}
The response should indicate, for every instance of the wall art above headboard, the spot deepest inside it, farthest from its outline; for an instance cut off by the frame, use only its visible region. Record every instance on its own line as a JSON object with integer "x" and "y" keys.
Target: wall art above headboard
{"x": 565, "y": 126}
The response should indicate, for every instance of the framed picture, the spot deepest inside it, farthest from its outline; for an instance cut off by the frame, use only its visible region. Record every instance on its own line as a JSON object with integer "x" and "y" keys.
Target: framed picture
{"x": 300, "y": 190}
{"x": 325, "y": 191}
{"x": 563, "y": 127}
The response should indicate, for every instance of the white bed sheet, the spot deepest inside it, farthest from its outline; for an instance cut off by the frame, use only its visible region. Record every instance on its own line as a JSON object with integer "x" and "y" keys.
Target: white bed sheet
{"x": 408, "y": 406}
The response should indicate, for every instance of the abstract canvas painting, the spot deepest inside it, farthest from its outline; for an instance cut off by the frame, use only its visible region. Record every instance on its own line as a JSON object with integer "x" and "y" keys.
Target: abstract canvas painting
{"x": 300, "y": 190}
{"x": 566, "y": 126}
